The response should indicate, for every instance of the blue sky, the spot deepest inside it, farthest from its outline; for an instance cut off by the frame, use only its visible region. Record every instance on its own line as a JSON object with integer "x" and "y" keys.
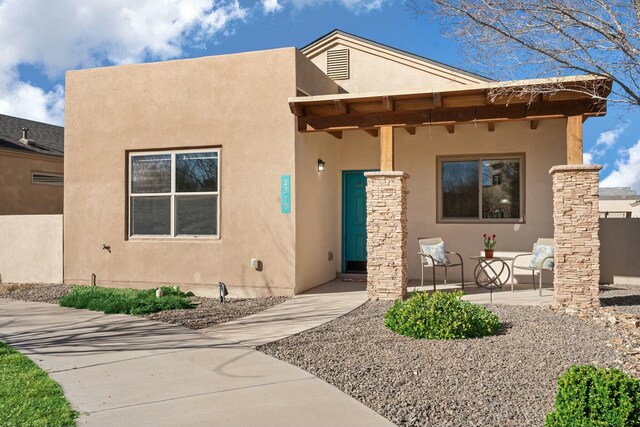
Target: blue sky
{"x": 40, "y": 39}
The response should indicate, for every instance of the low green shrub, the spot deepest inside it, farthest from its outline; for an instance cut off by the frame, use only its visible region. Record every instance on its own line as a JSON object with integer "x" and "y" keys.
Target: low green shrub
{"x": 441, "y": 315}
{"x": 596, "y": 397}
{"x": 125, "y": 301}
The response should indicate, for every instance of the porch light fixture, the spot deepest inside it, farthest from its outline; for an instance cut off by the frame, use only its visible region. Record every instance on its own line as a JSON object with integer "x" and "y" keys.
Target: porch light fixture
{"x": 320, "y": 165}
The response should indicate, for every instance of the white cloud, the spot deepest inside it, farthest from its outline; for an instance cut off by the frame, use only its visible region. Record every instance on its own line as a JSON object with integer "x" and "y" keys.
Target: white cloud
{"x": 271, "y": 6}
{"x": 61, "y": 35}
{"x": 606, "y": 140}
{"x": 627, "y": 172}
{"x": 609, "y": 138}
{"x": 353, "y": 5}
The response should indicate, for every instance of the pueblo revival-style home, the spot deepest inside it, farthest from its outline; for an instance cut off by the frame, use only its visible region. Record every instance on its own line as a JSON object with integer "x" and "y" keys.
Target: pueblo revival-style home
{"x": 272, "y": 171}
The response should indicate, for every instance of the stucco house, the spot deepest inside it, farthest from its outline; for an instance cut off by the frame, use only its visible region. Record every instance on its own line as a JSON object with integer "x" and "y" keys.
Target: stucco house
{"x": 273, "y": 171}
{"x": 619, "y": 202}
{"x": 31, "y": 167}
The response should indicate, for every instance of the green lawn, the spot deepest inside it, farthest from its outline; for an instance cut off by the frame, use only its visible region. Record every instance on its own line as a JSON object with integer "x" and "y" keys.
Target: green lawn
{"x": 28, "y": 397}
{"x": 125, "y": 301}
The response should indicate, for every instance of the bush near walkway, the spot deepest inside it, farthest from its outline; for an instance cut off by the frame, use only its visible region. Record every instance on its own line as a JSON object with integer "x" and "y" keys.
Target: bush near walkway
{"x": 592, "y": 397}
{"x": 28, "y": 397}
{"x": 441, "y": 315}
{"x": 126, "y": 301}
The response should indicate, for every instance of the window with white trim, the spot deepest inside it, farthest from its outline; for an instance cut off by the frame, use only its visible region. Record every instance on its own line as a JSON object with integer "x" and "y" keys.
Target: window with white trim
{"x": 174, "y": 193}
{"x": 481, "y": 189}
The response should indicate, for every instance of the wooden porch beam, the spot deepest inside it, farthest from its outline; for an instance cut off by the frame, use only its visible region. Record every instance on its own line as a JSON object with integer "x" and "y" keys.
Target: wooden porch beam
{"x": 388, "y": 104}
{"x": 437, "y": 100}
{"x": 549, "y": 110}
{"x": 341, "y": 106}
{"x": 296, "y": 109}
{"x": 450, "y": 128}
{"x": 372, "y": 132}
{"x": 574, "y": 140}
{"x": 386, "y": 148}
{"x": 411, "y": 130}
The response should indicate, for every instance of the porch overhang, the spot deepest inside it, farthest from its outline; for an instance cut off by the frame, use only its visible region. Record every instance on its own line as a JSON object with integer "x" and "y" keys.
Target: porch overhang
{"x": 492, "y": 102}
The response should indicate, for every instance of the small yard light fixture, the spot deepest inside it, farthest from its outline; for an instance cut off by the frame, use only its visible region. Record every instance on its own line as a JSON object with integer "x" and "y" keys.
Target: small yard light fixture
{"x": 320, "y": 165}
{"x": 223, "y": 292}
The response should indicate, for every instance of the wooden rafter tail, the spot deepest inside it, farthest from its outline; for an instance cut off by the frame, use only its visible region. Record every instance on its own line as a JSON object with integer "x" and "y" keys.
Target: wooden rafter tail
{"x": 450, "y": 128}
{"x": 372, "y": 132}
{"x": 411, "y": 130}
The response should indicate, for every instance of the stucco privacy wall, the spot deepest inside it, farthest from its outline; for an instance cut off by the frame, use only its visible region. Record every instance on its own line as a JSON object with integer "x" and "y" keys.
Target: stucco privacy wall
{"x": 235, "y": 102}
{"x": 30, "y": 248}
{"x": 18, "y": 196}
{"x": 619, "y": 249}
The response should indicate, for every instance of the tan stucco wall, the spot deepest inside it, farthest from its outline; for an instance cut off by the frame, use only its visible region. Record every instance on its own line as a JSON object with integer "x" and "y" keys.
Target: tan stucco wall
{"x": 18, "y": 196}
{"x": 374, "y": 71}
{"x": 31, "y": 249}
{"x": 416, "y": 155}
{"x": 237, "y": 102}
{"x": 619, "y": 248}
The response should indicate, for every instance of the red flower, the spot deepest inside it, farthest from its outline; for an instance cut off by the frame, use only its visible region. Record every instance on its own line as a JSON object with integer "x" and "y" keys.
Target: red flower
{"x": 484, "y": 235}
{"x": 494, "y": 236}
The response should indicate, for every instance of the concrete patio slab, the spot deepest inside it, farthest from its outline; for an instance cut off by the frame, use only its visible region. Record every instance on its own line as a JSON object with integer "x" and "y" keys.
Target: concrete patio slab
{"x": 302, "y": 312}
{"x": 122, "y": 370}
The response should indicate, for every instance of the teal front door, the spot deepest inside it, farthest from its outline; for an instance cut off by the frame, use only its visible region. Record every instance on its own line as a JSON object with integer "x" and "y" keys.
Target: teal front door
{"x": 354, "y": 222}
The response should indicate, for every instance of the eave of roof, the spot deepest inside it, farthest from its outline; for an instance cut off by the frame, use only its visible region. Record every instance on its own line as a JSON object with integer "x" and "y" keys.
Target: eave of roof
{"x": 309, "y": 48}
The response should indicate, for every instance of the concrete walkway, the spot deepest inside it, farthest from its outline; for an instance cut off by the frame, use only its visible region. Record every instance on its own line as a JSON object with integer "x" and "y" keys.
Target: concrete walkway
{"x": 122, "y": 370}
{"x": 305, "y": 311}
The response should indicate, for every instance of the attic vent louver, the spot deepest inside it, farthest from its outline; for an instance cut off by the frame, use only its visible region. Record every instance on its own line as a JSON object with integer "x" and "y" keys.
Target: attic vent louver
{"x": 338, "y": 64}
{"x": 47, "y": 178}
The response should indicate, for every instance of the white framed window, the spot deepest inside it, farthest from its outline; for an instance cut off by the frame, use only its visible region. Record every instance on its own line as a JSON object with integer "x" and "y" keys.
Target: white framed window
{"x": 481, "y": 188}
{"x": 174, "y": 193}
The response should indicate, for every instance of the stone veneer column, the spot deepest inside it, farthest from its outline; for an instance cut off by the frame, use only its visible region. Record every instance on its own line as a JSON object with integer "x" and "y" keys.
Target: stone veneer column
{"x": 576, "y": 225}
{"x": 386, "y": 234}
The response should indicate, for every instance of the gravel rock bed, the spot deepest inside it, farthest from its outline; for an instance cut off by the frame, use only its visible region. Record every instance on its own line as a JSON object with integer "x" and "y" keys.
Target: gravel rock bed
{"x": 34, "y": 292}
{"x": 621, "y": 298}
{"x": 505, "y": 380}
{"x": 210, "y": 312}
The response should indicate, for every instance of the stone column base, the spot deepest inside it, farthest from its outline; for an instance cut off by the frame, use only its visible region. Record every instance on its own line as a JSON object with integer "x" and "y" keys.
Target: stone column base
{"x": 386, "y": 235}
{"x": 577, "y": 245}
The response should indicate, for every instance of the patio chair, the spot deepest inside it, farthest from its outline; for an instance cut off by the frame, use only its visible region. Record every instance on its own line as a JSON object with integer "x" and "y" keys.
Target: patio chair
{"x": 541, "y": 259}
{"x": 432, "y": 255}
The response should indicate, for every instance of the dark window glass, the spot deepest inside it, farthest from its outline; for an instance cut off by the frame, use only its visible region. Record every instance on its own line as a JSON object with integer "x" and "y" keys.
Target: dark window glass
{"x": 501, "y": 188}
{"x": 151, "y": 215}
{"x": 196, "y": 172}
{"x": 151, "y": 174}
{"x": 197, "y": 215}
{"x": 460, "y": 189}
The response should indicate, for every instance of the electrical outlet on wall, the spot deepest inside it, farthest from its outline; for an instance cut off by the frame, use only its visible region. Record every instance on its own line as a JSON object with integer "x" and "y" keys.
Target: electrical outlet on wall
{"x": 330, "y": 256}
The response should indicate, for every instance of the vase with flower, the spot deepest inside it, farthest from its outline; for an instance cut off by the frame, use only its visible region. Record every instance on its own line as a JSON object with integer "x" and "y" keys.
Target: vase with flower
{"x": 489, "y": 244}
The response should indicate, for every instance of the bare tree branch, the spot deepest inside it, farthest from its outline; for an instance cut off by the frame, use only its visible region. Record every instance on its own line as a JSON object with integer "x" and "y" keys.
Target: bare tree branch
{"x": 547, "y": 38}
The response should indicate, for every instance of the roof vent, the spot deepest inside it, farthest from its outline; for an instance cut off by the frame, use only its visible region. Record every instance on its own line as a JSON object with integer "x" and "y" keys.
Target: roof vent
{"x": 47, "y": 178}
{"x": 25, "y": 140}
{"x": 338, "y": 64}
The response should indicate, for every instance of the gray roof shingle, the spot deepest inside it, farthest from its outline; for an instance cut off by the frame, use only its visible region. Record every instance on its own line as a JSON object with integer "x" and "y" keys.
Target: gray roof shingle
{"x": 44, "y": 138}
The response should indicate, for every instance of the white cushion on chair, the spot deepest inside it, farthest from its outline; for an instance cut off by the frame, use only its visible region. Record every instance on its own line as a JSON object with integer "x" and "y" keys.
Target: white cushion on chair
{"x": 540, "y": 252}
{"x": 437, "y": 252}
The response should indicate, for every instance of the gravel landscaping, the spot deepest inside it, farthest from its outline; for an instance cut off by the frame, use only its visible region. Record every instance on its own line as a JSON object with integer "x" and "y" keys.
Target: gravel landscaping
{"x": 504, "y": 380}
{"x": 621, "y": 298}
{"x": 209, "y": 311}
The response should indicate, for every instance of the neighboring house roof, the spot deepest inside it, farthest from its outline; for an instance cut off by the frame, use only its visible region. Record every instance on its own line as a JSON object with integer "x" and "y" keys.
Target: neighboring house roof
{"x": 42, "y": 138}
{"x": 617, "y": 193}
{"x": 340, "y": 37}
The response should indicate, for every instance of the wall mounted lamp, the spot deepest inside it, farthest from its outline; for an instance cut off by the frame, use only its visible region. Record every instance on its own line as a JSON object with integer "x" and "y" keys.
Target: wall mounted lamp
{"x": 320, "y": 165}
